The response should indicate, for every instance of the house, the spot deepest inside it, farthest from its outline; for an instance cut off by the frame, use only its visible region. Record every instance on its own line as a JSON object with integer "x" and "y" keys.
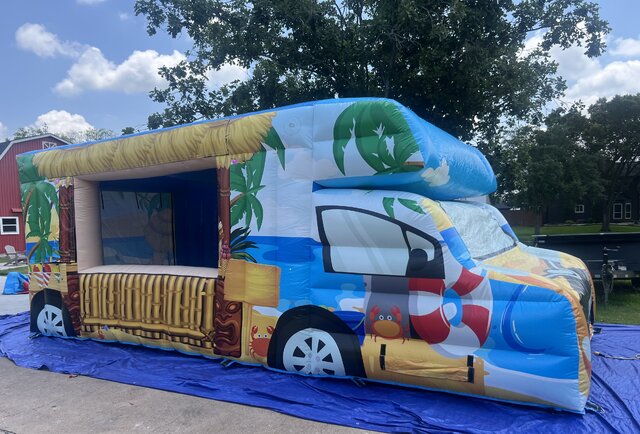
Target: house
{"x": 11, "y": 223}
{"x": 624, "y": 209}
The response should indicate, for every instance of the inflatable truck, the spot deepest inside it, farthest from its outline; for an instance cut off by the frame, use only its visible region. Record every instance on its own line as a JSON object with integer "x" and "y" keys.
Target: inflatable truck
{"x": 332, "y": 238}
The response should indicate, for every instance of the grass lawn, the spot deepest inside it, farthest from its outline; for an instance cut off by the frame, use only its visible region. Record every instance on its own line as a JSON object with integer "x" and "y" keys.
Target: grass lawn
{"x": 623, "y": 307}
{"x": 525, "y": 232}
{"x": 6, "y": 271}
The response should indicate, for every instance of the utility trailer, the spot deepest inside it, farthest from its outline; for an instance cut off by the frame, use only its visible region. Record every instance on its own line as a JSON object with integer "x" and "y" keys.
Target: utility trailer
{"x": 623, "y": 250}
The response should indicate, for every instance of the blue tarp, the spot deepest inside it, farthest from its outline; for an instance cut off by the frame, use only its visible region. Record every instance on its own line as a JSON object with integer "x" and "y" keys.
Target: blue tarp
{"x": 16, "y": 283}
{"x": 615, "y": 387}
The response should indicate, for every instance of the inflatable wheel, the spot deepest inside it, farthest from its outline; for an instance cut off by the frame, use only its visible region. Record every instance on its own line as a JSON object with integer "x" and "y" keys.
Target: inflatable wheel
{"x": 311, "y": 340}
{"x": 49, "y": 316}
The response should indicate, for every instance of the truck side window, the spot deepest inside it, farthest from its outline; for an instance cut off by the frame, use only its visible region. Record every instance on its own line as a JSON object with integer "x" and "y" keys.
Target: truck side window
{"x": 360, "y": 241}
{"x": 363, "y": 243}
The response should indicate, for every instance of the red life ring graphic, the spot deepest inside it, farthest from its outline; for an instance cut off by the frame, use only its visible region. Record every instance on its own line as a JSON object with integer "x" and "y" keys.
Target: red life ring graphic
{"x": 453, "y": 316}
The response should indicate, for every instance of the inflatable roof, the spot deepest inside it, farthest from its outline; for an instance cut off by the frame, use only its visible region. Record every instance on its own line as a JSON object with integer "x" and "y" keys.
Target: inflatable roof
{"x": 366, "y": 136}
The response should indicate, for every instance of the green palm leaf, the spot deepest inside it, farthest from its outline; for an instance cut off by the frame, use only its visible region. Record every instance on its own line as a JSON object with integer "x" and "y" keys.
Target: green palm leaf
{"x": 412, "y": 205}
{"x": 387, "y": 203}
{"x": 273, "y": 141}
{"x": 256, "y": 206}
{"x": 373, "y": 123}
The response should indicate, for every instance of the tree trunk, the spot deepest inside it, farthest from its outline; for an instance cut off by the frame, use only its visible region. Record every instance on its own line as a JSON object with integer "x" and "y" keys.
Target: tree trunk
{"x": 606, "y": 217}
{"x": 538, "y": 221}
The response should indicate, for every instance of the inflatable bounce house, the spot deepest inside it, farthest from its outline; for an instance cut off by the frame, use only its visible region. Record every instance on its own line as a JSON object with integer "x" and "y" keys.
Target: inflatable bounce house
{"x": 331, "y": 238}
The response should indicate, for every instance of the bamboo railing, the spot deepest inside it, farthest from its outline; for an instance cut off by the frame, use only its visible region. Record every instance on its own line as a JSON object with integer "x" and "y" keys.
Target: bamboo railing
{"x": 158, "y": 307}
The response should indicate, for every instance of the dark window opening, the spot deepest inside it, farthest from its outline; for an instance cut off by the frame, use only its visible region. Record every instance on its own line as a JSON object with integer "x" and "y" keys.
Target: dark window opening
{"x": 9, "y": 226}
{"x": 617, "y": 211}
{"x": 167, "y": 220}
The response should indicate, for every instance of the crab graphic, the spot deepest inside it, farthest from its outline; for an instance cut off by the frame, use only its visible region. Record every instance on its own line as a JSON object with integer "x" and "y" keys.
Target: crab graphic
{"x": 259, "y": 343}
{"x": 388, "y": 327}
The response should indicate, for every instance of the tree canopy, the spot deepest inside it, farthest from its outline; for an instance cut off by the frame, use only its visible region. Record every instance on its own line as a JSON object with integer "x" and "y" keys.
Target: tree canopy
{"x": 613, "y": 137}
{"x": 457, "y": 63}
{"x": 541, "y": 166}
{"x": 87, "y": 135}
{"x": 580, "y": 154}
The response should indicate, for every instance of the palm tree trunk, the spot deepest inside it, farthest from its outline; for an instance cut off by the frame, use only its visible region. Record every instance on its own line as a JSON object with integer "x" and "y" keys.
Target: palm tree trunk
{"x": 67, "y": 238}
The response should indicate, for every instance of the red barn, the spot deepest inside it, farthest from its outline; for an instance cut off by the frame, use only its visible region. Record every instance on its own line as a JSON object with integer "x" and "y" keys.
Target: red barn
{"x": 11, "y": 223}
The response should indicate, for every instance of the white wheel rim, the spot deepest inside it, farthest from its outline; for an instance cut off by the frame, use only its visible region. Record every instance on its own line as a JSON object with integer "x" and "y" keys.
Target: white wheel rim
{"x": 50, "y": 321}
{"x": 314, "y": 352}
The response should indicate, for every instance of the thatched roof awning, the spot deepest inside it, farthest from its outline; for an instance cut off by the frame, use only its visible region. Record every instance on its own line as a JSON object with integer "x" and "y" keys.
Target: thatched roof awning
{"x": 236, "y": 138}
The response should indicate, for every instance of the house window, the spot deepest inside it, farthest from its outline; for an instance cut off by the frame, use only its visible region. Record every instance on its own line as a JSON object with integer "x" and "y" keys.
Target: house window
{"x": 49, "y": 145}
{"x": 627, "y": 211}
{"x": 617, "y": 211}
{"x": 9, "y": 226}
{"x": 579, "y": 209}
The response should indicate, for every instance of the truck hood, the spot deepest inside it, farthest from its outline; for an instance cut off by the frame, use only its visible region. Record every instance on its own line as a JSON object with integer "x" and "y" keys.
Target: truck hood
{"x": 546, "y": 268}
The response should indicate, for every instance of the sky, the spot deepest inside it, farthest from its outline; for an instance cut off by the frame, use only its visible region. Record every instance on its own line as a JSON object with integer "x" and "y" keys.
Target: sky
{"x": 79, "y": 64}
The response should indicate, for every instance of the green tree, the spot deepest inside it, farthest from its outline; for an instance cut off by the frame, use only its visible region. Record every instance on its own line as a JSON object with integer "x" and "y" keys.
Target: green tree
{"x": 88, "y": 135}
{"x": 456, "y": 63}
{"x": 538, "y": 167}
{"x": 91, "y": 135}
{"x": 613, "y": 137}
{"x": 31, "y": 131}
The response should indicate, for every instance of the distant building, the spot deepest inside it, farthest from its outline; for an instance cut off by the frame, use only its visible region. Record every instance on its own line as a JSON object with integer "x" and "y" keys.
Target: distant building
{"x": 625, "y": 208}
{"x": 11, "y": 222}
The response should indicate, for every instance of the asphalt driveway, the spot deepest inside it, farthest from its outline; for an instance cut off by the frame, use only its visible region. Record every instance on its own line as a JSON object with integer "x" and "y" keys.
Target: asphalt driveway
{"x": 46, "y": 402}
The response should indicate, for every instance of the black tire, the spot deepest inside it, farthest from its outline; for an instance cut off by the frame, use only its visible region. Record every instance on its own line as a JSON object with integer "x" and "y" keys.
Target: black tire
{"x": 48, "y": 299}
{"x": 313, "y": 317}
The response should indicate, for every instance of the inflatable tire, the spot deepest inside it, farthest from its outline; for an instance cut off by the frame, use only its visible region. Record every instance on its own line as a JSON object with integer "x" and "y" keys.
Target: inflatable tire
{"x": 49, "y": 315}
{"x": 311, "y": 340}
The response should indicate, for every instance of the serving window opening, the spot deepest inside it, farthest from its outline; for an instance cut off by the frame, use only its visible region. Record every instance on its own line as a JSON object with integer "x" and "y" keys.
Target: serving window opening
{"x": 168, "y": 220}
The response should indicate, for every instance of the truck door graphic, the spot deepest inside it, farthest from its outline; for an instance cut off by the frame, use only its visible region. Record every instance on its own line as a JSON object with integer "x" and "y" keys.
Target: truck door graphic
{"x": 402, "y": 267}
{"x": 388, "y": 253}
{"x": 394, "y": 259}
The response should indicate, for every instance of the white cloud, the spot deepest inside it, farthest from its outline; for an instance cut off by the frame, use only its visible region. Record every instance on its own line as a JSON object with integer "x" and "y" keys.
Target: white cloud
{"x": 573, "y": 64}
{"x": 63, "y": 122}
{"x": 226, "y": 74}
{"x": 93, "y": 71}
{"x": 589, "y": 79}
{"x": 138, "y": 73}
{"x": 626, "y": 47}
{"x": 36, "y": 38}
{"x": 3, "y": 131}
{"x": 124, "y": 16}
{"x": 89, "y": 2}
{"x": 612, "y": 79}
